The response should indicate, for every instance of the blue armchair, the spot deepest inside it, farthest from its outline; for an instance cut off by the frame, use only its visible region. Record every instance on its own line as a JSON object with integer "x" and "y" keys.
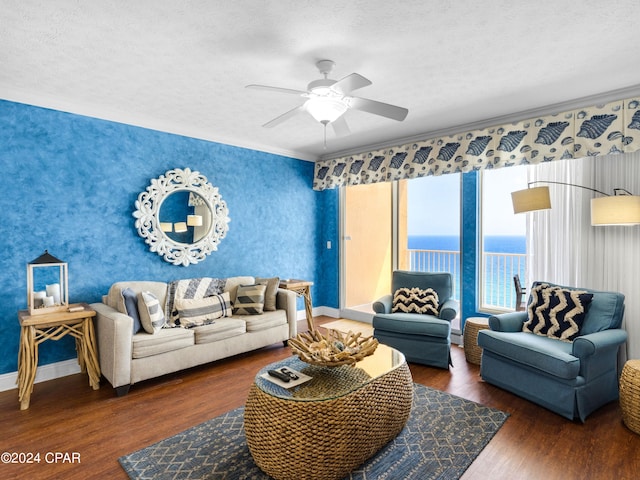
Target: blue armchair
{"x": 422, "y": 338}
{"x": 571, "y": 379}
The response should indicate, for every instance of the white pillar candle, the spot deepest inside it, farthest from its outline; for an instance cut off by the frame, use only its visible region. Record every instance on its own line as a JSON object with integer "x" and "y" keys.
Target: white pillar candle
{"x": 53, "y": 290}
{"x": 48, "y": 301}
{"x": 38, "y": 298}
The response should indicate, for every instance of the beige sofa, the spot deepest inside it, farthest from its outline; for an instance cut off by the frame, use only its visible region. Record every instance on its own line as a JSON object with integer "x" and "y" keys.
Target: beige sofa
{"x": 127, "y": 358}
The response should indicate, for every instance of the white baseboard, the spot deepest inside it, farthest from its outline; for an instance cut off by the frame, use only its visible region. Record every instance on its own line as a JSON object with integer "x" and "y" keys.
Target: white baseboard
{"x": 9, "y": 381}
{"x": 317, "y": 311}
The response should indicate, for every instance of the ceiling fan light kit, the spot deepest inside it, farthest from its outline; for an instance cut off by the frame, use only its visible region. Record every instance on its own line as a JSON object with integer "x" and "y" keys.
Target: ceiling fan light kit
{"x": 325, "y": 109}
{"x": 328, "y": 100}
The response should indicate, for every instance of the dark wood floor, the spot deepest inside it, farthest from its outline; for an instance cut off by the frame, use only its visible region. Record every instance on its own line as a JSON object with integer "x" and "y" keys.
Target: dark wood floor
{"x": 67, "y": 416}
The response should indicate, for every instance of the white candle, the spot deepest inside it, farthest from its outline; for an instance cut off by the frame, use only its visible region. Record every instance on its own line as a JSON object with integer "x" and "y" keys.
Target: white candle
{"x": 38, "y": 298}
{"x": 53, "y": 290}
{"x": 48, "y": 301}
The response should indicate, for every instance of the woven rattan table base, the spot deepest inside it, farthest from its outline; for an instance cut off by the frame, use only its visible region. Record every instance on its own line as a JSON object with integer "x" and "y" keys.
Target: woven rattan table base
{"x": 630, "y": 395}
{"x": 296, "y": 440}
{"x": 472, "y": 352}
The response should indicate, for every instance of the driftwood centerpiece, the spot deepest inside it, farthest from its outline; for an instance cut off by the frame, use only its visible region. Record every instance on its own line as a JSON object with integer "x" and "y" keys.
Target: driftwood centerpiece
{"x": 334, "y": 349}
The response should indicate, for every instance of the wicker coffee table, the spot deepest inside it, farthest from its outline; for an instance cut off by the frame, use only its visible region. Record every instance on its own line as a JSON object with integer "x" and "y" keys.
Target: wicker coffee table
{"x": 328, "y": 426}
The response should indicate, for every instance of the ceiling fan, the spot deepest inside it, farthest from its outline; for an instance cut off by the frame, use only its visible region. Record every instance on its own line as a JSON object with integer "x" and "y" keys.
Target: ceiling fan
{"x": 327, "y": 100}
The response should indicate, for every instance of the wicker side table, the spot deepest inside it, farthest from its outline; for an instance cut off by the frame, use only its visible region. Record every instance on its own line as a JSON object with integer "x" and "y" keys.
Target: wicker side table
{"x": 630, "y": 395}
{"x": 472, "y": 326}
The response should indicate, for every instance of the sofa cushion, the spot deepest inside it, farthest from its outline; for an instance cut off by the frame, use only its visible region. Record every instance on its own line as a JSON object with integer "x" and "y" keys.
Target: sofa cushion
{"x": 130, "y": 301}
{"x": 556, "y": 312}
{"x": 272, "y": 291}
{"x": 249, "y": 300}
{"x": 255, "y": 323}
{"x": 223, "y": 328}
{"x": 166, "y": 340}
{"x": 194, "y": 312}
{"x": 548, "y": 355}
{"x": 151, "y": 315}
{"x": 412, "y": 324}
{"x": 415, "y": 300}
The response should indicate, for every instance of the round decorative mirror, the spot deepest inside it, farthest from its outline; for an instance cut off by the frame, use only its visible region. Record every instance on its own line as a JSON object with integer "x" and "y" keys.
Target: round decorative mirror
{"x": 181, "y": 216}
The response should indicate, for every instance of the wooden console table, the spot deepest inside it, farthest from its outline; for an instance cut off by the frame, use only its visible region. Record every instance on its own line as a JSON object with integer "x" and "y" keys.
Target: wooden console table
{"x": 302, "y": 288}
{"x": 35, "y": 329}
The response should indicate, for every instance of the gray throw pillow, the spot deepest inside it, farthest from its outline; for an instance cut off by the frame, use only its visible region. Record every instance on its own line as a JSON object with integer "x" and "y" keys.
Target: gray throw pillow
{"x": 270, "y": 294}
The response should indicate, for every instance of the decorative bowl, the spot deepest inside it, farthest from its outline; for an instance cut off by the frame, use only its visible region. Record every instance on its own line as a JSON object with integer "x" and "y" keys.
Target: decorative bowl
{"x": 334, "y": 349}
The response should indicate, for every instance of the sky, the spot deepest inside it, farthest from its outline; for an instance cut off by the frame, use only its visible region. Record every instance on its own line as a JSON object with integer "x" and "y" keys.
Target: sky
{"x": 434, "y": 203}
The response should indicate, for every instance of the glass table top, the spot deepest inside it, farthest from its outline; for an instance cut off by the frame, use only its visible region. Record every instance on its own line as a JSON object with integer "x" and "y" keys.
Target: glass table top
{"x": 330, "y": 382}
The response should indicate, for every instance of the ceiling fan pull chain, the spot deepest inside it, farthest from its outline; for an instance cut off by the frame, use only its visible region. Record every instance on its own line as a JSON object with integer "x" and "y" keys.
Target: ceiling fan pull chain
{"x": 325, "y": 134}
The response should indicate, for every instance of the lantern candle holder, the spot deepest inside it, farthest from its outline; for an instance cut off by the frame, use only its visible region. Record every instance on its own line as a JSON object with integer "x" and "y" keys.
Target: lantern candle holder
{"x": 47, "y": 285}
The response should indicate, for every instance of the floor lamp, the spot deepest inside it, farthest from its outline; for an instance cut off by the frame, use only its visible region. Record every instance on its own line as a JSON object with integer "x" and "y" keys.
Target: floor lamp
{"x": 621, "y": 208}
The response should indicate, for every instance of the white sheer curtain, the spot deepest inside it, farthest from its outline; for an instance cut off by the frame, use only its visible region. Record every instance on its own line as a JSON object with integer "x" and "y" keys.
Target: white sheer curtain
{"x": 564, "y": 248}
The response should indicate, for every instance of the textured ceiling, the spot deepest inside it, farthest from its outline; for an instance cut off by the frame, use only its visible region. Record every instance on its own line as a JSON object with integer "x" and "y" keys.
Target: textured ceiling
{"x": 181, "y": 66}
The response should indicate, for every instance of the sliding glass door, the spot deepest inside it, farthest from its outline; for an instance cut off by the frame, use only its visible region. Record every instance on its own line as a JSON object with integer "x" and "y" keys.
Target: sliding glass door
{"x": 408, "y": 225}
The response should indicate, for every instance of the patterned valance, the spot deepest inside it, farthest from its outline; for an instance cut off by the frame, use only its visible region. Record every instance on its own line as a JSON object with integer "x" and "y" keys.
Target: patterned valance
{"x": 593, "y": 131}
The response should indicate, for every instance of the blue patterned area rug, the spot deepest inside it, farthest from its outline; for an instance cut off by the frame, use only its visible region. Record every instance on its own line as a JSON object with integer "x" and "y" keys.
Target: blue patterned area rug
{"x": 443, "y": 435}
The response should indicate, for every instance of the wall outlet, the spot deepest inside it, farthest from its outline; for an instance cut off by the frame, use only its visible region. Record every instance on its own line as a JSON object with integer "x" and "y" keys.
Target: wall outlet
{"x": 329, "y": 245}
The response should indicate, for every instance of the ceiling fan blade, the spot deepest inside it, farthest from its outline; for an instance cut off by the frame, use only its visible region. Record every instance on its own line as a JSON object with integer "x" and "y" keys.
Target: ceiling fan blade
{"x": 378, "y": 108}
{"x": 284, "y": 117}
{"x": 340, "y": 127}
{"x": 350, "y": 83}
{"x": 289, "y": 91}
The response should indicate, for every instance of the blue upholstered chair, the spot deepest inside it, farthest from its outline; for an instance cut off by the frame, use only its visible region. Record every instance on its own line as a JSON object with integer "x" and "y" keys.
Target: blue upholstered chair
{"x": 571, "y": 379}
{"x": 422, "y": 338}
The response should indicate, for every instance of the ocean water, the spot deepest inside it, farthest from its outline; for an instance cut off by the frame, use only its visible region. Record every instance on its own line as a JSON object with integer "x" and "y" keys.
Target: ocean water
{"x": 499, "y": 269}
{"x": 494, "y": 244}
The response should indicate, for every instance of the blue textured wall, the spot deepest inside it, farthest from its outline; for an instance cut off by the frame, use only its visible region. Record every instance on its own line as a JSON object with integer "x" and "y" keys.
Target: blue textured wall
{"x": 69, "y": 184}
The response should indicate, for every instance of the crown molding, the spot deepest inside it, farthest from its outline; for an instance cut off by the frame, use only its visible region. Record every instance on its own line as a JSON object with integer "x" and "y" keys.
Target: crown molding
{"x": 98, "y": 112}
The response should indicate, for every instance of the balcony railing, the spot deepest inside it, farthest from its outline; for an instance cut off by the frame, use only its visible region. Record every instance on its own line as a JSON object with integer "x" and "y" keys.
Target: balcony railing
{"x": 497, "y": 290}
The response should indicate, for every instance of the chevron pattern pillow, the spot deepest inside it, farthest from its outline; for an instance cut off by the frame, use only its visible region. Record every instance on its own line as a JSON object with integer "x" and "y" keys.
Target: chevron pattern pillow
{"x": 249, "y": 300}
{"x": 556, "y": 312}
{"x": 415, "y": 300}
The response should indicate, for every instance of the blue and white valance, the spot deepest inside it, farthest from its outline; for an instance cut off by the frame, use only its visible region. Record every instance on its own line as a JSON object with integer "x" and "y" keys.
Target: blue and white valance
{"x": 599, "y": 130}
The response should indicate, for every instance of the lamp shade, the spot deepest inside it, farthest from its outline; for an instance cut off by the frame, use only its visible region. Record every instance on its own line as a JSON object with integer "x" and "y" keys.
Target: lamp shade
{"x": 194, "y": 220}
{"x": 615, "y": 210}
{"x": 530, "y": 199}
{"x": 180, "y": 227}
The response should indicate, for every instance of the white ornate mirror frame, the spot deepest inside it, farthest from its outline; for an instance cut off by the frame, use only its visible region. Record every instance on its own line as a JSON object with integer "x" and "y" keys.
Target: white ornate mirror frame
{"x": 147, "y": 216}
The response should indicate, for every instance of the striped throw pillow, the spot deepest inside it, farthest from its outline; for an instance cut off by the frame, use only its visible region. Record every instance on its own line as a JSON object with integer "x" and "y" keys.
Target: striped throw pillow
{"x": 151, "y": 315}
{"x": 194, "y": 312}
{"x": 249, "y": 300}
